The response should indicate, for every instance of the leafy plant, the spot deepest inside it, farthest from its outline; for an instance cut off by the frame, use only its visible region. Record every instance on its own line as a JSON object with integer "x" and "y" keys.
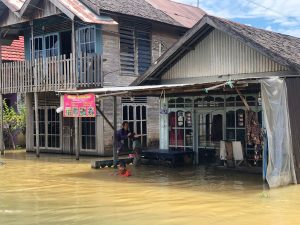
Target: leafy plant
{"x": 13, "y": 122}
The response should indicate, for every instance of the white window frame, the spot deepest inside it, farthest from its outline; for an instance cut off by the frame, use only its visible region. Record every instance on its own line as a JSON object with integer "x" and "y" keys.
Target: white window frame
{"x": 46, "y": 128}
{"x": 44, "y": 44}
{"x": 135, "y": 121}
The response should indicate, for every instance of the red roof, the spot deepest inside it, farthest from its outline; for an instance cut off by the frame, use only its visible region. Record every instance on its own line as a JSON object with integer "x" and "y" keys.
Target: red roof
{"x": 184, "y": 14}
{"x": 14, "y": 52}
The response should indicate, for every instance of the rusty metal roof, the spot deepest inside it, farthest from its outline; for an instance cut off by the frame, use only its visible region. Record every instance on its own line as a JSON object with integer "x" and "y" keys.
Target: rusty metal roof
{"x": 164, "y": 11}
{"x": 184, "y": 14}
{"x": 84, "y": 13}
{"x": 14, "y": 5}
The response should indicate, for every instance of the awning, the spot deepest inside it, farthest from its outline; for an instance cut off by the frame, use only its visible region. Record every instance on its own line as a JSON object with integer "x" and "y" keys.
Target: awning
{"x": 155, "y": 90}
{"x": 85, "y": 14}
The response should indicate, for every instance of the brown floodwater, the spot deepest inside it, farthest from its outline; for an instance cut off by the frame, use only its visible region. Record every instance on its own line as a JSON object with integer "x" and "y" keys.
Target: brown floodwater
{"x": 59, "y": 190}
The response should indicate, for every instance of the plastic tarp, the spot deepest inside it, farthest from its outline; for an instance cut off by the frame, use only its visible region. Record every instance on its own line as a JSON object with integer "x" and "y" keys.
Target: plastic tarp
{"x": 280, "y": 170}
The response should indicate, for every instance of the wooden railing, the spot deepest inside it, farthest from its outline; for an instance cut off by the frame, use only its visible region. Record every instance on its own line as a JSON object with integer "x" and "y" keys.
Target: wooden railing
{"x": 51, "y": 74}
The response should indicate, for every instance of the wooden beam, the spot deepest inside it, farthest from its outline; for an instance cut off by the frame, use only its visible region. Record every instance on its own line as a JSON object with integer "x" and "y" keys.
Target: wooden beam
{"x": 76, "y": 127}
{"x": 37, "y": 131}
{"x": 29, "y": 121}
{"x": 1, "y": 126}
{"x": 105, "y": 118}
{"x": 115, "y": 154}
{"x": 74, "y": 67}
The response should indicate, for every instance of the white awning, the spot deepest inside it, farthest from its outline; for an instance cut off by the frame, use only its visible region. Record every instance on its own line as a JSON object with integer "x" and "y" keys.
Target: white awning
{"x": 141, "y": 90}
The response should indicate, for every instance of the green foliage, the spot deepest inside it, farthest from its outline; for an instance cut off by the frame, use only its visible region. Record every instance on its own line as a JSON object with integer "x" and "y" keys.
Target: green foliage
{"x": 13, "y": 122}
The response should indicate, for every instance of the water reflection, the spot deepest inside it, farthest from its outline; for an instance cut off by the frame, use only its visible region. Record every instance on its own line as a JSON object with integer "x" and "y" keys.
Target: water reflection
{"x": 59, "y": 190}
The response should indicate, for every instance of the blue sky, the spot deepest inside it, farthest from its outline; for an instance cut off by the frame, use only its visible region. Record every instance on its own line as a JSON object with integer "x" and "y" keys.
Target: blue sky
{"x": 281, "y": 16}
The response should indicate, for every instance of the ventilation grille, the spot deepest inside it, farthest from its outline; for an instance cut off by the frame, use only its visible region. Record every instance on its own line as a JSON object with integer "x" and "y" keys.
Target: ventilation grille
{"x": 134, "y": 100}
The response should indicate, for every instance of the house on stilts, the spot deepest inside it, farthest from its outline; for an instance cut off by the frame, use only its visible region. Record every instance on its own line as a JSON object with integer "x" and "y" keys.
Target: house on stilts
{"x": 76, "y": 44}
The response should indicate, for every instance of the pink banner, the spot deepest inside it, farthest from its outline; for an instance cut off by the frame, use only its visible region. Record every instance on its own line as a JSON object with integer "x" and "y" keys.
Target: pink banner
{"x": 79, "y": 105}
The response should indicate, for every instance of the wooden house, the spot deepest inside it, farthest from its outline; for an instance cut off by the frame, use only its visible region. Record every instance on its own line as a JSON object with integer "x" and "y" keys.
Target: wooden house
{"x": 75, "y": 44}
{"x": 214, "y": 56}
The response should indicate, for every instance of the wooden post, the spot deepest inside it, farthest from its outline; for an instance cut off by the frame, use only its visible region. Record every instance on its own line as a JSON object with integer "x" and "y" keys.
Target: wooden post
{"x": 1, "y": 126}
{"x": 37, "y": 131}
{"x": 1, "y": 114}
{"x": 29, "y": 121}
{"x": 76, "y": 127}
{"x": 36, "y": 100}
{"x": 115, "y": 154}
{"x": 74, "y": 67}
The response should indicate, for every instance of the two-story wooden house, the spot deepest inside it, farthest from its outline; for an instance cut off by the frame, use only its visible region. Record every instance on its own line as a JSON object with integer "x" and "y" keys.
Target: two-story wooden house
{"x": 74, "y": 44}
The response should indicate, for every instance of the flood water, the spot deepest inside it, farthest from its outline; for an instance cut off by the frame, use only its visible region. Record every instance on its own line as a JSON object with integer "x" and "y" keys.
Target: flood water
{"x": 58, "y": 190}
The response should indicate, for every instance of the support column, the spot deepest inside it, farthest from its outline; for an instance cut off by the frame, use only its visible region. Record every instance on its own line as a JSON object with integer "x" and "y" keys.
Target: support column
{"x": 74, "y": 62}
{"x": 29, "y": 121}
{"x": 1, "y": 125}
{"x": 115, "y": 154}
{"x": 163, "y": 125}
{"x": 37, "y": 130}
{"x": 76, "y": 127}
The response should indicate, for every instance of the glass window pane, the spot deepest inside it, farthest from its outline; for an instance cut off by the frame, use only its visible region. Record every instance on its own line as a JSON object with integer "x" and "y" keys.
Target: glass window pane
{"x": 230, "y": 119}
{"x": 125, "y": 112}
{"x": 240, "y": 118}
{"x": 230, "y": 134}
{"x": 144, "y": 127}
{"x": 130, "y": 112}
{"x": 138, "y": 113}
{"x": 144, "y": 114}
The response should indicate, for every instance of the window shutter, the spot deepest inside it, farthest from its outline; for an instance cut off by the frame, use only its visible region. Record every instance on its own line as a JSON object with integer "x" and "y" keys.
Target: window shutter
{"x": 127, "y": 52}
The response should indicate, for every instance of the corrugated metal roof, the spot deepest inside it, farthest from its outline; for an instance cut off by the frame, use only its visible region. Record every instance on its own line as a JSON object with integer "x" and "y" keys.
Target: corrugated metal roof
{"x": 84, "y": 13}
{"x": 184, "y": 14}
{"x": 14, "y": 5}
{"x": 14, "y": 52}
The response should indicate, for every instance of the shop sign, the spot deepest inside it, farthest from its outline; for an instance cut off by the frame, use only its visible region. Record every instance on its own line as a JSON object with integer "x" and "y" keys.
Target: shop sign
{"x": 79, "y": 105}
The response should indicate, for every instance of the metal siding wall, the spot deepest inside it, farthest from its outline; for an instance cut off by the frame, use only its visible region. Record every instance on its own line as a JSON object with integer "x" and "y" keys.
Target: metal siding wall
{"x": 219, "y": 54}
{"x": 293, "y": 92}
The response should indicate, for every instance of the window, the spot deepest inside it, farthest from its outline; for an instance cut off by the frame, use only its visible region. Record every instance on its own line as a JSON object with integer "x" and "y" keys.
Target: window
{"x": 51, "y": 45}
{"x": 53, "y": 129}
{"x": 87, "y": 39}
{"x": 136, "y": 116}
{"x": 88, "y": 133}
{"x": 181, "y": 130}
{"x": 42, "y": 130}
{"x": 49, "y": 128}
{"x": 135, "y": 49}
{"x": 46, "y": 46}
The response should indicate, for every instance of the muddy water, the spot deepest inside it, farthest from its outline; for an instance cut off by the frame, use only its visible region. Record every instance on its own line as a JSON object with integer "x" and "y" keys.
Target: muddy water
{"x": 59, "y": 190}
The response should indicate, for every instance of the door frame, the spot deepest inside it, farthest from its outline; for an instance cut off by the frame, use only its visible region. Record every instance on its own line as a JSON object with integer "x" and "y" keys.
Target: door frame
{"x": 211, "y": 111}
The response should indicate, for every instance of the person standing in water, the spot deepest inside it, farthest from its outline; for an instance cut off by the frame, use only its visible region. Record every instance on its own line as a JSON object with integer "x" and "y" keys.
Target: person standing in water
{"x": 122, "y": 136}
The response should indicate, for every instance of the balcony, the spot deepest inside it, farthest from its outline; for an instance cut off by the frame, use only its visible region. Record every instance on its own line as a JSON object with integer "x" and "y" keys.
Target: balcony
{"x": 51, "y": 74}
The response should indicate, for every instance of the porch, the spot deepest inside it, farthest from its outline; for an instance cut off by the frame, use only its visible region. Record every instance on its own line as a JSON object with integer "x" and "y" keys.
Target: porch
{"x": 51, "y": 74}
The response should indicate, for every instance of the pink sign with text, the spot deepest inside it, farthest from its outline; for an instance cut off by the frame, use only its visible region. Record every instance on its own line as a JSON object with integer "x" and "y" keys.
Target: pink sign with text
{"x": 79, "y": 105}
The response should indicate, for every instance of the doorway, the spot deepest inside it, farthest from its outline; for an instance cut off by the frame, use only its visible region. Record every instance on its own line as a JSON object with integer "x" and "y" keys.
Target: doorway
{"x": 66, "y": 43}
{"x": 210, "y": 131}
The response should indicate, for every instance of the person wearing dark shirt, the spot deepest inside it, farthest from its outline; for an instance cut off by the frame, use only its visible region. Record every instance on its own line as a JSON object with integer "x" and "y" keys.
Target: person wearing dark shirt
{"x": 122, "y": 136}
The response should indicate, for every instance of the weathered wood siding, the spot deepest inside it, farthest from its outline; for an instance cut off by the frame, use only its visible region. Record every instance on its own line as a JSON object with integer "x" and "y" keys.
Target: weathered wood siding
{"x": 220, "y": 54}
{"x": 44, "y": 9}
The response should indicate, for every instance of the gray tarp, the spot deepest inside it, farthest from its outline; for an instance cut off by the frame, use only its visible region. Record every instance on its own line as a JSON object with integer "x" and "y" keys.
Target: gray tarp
{"x": 280, "y": 170}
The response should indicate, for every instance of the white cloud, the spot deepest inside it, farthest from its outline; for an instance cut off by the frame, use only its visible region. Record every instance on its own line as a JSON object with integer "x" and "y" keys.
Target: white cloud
{"x": 282, "y": 15}
{"x": 269, "y": 28}
{"x": 292, "y": 32}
